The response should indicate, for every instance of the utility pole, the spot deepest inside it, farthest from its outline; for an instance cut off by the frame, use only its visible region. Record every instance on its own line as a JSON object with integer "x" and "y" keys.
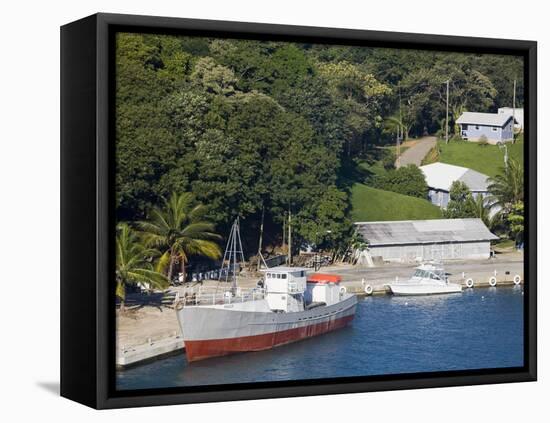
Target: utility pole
{"x": 398, "y": 150}
{"x": 289, "y": 238}
{"x": 514, "y": 113}
{"x": 400, "y": 128}
{"x": 284, "y": 230}
{"x": 504, "y": 147}
{"x": 447, "y": 116}
{"x": 260, "y": 257}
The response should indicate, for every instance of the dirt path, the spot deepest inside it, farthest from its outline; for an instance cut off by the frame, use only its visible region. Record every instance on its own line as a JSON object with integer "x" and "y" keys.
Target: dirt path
{"x": 415, "y": 153}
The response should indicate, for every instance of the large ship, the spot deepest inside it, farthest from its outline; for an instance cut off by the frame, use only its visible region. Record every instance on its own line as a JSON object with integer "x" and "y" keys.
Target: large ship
{"x": 290, "y": 306}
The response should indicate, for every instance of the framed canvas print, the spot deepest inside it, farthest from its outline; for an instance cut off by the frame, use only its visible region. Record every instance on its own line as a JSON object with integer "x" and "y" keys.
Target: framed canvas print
{"x": 255, "y": 211}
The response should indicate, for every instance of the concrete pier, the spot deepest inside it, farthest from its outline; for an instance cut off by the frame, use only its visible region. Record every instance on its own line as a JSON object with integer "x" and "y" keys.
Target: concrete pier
{"x": 128, "y": 356}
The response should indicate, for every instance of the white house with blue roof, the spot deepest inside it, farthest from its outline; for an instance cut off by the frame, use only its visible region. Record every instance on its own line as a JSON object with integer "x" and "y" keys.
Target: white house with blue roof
{"x": 494, "y": 127}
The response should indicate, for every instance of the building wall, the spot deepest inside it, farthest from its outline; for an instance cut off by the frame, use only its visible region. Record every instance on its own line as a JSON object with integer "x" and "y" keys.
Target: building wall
{"x": 494, "y": 134}
{"x": 441, "y": 198}
{"x": 443, "y": 251}
{"x": 518, "y": 114}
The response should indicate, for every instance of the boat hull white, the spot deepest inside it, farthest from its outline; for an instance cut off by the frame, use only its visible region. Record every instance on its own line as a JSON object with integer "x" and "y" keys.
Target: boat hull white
{"x": 410, "y": 289}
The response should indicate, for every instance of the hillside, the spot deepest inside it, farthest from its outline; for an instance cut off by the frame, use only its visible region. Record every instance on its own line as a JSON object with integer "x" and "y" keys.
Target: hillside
{"x": 487, "y": 159}
{"x": 372, "y": 204}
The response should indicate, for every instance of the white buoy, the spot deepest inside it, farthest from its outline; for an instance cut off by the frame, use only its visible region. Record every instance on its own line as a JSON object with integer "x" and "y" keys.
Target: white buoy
{"x": 493, "y": 280}
{"x": 517, "y": 280}
{"x": 368, "y": 289}
{"x": 470, "y": 283}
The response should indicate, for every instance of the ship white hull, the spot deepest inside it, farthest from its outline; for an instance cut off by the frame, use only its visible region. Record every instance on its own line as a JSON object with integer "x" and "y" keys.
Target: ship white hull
{"x": 424, "y": 289}
{"x": 216, "y": 330}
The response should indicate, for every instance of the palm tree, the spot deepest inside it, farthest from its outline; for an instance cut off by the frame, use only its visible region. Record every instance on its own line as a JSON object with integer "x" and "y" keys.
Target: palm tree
{"x": 178, "y": 230}
{"x": 482, "y": 209}
{"x": 399, "y": 125}
{"x": 507, "y": 189}
{"x": 132, "y": 265}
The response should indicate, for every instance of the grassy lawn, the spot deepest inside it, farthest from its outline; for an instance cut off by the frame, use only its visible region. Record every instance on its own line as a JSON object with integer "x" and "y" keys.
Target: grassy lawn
{"x": 371, "y": 204}
{"x": 487, "y": 159}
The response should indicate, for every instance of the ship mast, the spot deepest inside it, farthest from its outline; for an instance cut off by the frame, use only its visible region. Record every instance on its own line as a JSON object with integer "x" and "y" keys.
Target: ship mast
{"x": 233, "y": 256}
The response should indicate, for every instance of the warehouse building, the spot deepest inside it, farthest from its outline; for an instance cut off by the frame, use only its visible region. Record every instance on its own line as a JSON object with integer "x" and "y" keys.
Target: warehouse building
{"x": 419, "y": 240}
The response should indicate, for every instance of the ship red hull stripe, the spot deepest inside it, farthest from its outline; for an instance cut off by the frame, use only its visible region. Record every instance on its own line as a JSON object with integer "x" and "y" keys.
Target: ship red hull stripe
{"x": 201, "y": 349}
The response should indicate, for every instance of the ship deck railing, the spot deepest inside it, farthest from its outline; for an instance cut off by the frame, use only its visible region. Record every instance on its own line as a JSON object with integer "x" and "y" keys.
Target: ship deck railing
{"x": 213, "y": 296}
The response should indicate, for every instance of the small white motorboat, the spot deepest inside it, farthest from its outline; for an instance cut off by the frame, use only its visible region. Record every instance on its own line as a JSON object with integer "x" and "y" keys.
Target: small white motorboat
{"x": 427, "y": 279}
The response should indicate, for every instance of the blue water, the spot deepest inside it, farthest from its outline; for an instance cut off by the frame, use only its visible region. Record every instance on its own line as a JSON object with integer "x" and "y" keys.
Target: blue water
{"x": 480, "y": 328}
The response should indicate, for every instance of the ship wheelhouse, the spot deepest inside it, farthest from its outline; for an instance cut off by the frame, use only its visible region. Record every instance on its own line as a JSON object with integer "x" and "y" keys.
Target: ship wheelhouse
{"x": 290, "y": 289}
{"x": 284, "y": 288}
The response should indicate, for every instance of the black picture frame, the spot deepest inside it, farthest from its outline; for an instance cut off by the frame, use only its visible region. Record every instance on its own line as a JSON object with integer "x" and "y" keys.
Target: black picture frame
{"x": 87, "y": 218}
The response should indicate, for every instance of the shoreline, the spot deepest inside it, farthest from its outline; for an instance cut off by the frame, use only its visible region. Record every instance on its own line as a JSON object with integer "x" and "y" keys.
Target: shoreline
{"x": 151, "y": 331}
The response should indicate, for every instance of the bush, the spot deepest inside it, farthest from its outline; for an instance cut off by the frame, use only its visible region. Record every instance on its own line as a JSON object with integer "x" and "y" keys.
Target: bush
{"x": 483, "y": 141}
{"x": 388, "y": 161}
{"x": 408, "y": 180}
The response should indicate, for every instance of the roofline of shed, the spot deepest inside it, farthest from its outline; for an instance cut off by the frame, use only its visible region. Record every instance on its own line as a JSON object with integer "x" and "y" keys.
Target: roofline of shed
{"x": 411, "y": 221}
{"x": 431, "y": 242}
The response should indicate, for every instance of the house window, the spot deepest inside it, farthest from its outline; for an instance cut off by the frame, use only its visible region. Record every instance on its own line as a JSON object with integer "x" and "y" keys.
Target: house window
{"x": 494, "y": 129}
{"x": 464, "y": 127}
{"x": 477, "y": 127}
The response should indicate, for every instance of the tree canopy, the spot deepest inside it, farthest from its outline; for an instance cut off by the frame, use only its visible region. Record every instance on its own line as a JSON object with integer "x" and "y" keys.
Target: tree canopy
{"x": 245, "y": 125}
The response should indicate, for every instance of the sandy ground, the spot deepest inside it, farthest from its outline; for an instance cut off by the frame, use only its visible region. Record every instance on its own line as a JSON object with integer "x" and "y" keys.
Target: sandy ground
{"x": 146, "y": 324}
{"x": 152, "y": 321}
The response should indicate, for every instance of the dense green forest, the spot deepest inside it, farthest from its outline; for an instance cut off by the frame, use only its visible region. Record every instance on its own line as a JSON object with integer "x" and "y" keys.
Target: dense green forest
{"x": 251, "y": 127}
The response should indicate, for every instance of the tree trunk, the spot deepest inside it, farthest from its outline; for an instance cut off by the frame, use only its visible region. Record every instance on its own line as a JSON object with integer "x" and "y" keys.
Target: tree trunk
{"x": 171, "y": 266}
{"x": 121, "y": 294}
{"x": 183, "y": 270}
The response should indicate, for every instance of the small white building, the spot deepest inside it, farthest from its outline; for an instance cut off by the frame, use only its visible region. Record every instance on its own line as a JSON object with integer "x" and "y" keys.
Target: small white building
{"x": 420, "y": 240}
{"x": 517, "y": 113}
{"x": 440, "y": 177}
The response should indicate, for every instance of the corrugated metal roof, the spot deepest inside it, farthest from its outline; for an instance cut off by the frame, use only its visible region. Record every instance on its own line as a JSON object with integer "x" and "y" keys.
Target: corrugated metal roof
{"x": 441, "y": 176}
{"x": 491, "y": 119}
{"x": 424, "y": 231}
